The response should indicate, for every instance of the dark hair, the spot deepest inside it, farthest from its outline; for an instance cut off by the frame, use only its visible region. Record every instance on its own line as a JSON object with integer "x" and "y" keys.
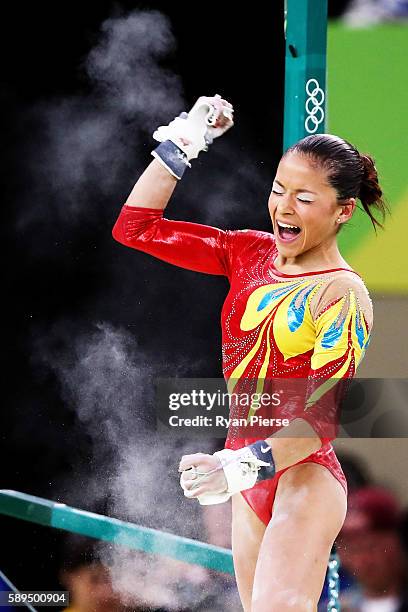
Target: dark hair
{"x": 351, "y": 174}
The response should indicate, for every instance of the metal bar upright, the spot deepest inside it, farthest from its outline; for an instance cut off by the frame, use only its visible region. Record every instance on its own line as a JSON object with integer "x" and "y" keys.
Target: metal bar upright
{"x": 305, "y": 69}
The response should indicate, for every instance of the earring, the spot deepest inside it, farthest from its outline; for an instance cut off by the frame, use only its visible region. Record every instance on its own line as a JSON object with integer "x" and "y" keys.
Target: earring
{"x": 339, "y": 220}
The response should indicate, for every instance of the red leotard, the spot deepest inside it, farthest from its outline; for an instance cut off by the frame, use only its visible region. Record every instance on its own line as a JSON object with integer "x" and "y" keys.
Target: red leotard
{"x": 313, "y": 326}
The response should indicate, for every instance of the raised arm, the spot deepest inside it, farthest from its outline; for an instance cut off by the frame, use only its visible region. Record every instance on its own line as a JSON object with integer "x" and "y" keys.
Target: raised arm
{"x": 141, "y": 225}
{"x": 193, "y": 246}
{"x": 153, "y": 189}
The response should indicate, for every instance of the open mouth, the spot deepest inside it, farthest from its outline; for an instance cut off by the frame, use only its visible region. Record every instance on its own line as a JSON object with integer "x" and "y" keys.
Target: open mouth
{"x": 286, "y": 232}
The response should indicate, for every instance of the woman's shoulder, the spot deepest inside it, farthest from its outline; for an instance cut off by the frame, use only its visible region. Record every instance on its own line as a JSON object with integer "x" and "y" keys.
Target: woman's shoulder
{"x": 250, "y": 237}
{"x": 343, "y": 284}
{"x": 347, "y": 279}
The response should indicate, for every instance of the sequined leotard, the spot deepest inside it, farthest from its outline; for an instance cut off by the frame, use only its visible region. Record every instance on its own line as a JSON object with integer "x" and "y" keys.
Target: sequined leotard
{"x": 314, "y": 327}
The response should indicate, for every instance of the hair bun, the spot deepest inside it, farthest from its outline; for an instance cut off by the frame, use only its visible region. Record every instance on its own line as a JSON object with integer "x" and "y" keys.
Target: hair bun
{"x": 370, "y": 190}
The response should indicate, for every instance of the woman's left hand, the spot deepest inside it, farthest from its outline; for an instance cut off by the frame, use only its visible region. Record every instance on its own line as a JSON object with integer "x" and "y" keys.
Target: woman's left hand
{"x": 204, "y": 475}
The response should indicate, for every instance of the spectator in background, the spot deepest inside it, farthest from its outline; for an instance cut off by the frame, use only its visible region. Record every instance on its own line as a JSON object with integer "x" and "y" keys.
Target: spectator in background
{"x": 355, "y": 471}
{"x": 370, "y": 549}
{"x": 88, "y": 581}
{"x": 143, "y": 583}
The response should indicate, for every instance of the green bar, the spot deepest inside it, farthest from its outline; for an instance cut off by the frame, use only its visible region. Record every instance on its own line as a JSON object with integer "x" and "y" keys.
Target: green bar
{"x": 26, "y": 507}
{"x": 60, "y": 516}
{"x": 305, "y": 69}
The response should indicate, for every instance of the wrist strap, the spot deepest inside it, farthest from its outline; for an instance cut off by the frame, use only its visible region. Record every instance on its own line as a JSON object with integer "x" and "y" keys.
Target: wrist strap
{"x": 263, "y": 452}
{"x": 246, "y": 466}
{"x": 172, "y": 158}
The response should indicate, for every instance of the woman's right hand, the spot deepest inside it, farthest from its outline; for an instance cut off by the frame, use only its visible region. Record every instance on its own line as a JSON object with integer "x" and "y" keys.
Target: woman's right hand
{"x": 224, "y": 115}
{"x": 209, "y": 118}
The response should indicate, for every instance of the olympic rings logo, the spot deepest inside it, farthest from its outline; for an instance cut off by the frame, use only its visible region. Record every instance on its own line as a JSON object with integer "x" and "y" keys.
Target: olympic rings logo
{"x": 313, "y": 106}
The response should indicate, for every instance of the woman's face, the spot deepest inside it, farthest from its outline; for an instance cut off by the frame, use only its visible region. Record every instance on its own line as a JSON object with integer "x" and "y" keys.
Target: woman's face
{"x": 303, "y": 206}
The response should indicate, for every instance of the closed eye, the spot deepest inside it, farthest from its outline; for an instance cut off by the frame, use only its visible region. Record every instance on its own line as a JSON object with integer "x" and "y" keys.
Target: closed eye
{"x": 303, "y": 200}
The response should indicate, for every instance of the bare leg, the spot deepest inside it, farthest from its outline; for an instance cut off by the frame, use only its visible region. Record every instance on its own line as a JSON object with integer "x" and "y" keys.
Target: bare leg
{"x": 217, "y": 521}
{"x": 247, "y": 533}
{"x": 309, "y": 510}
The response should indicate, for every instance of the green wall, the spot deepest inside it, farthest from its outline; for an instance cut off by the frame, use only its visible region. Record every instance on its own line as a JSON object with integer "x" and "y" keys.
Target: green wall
{"x": 368, "y": 105}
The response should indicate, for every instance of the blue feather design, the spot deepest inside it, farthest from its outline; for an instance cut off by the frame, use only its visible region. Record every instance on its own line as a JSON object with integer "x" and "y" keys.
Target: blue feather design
{"x": 333, "y": 334}
{"x": 273, "y": 295}
{"x": 359, "y": 329}
{"x": 297, "y": 314}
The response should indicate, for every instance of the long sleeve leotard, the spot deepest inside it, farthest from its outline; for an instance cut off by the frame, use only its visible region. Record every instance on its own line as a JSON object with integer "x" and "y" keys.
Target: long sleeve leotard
{"x": 313, "y": 327}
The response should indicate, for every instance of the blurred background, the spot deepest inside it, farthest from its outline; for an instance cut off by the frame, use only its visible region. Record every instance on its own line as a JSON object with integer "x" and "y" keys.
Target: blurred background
{"x": 89, "y": 326}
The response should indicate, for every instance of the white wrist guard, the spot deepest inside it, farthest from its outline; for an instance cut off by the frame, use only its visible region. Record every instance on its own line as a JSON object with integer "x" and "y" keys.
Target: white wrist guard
{"x": 243, "y": 468}
{"x": 191, "y": 133}
{"x": 209, "y": 499}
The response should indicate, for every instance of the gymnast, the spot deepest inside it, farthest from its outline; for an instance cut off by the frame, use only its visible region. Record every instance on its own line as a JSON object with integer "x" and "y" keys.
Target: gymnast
{"x": 295, "y": 310}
